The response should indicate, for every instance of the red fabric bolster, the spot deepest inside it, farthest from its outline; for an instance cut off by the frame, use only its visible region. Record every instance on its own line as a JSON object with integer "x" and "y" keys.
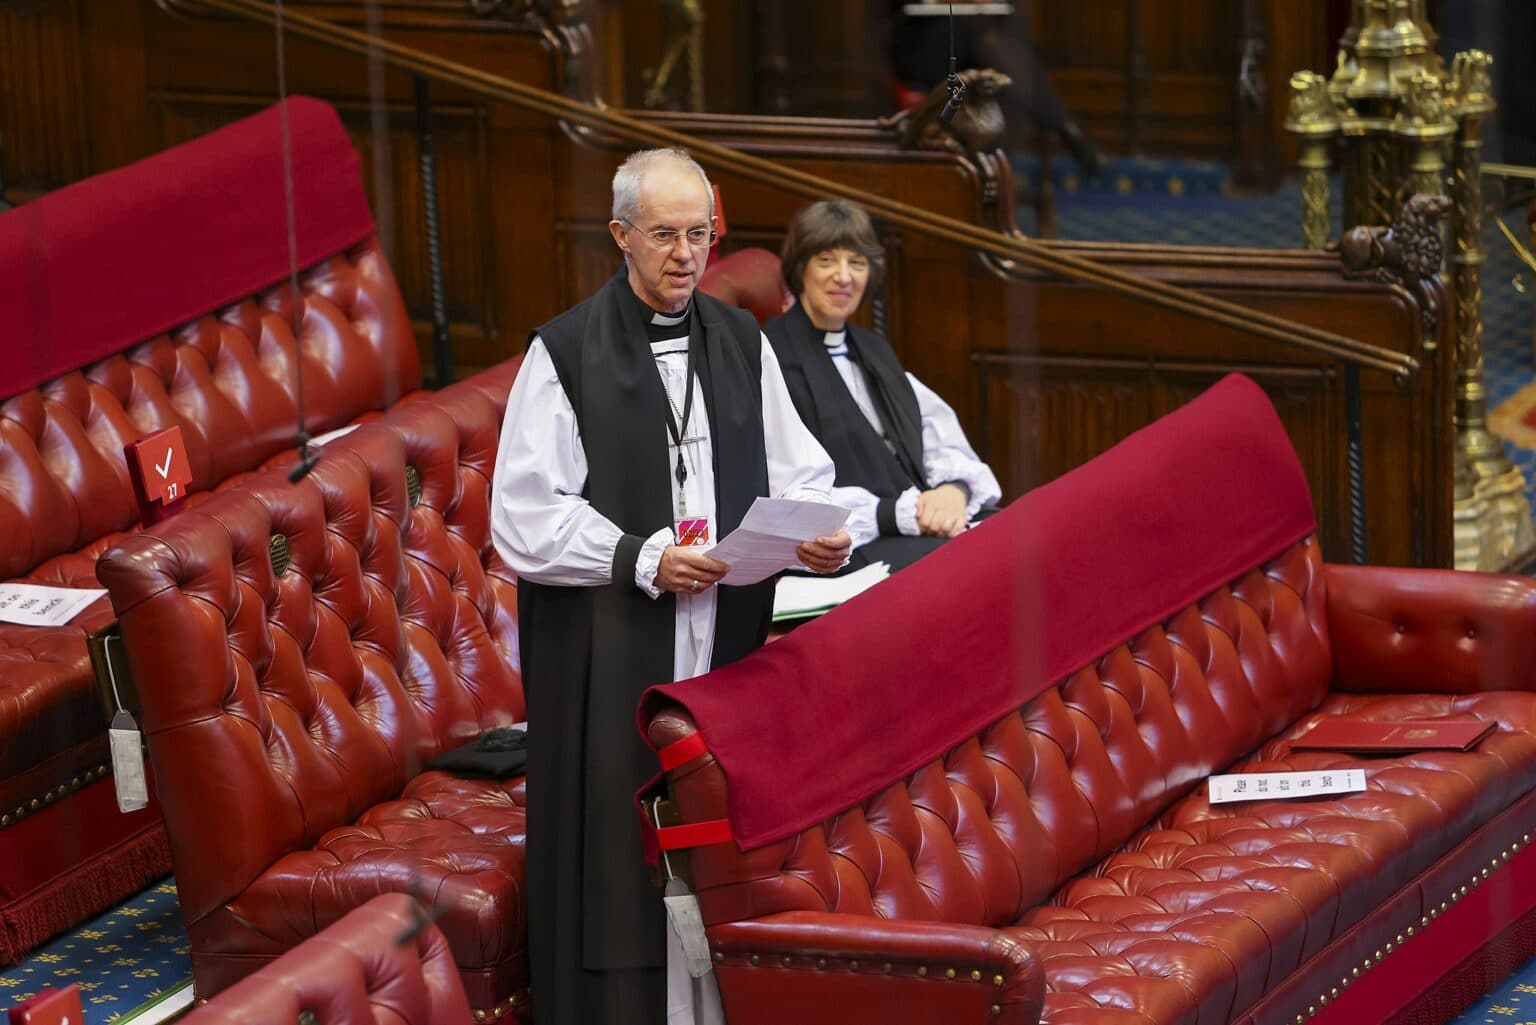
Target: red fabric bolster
{"x": 685, "y": 750}
{"x": 694, "y": 834}
{"x": 849, "y": 703}
{"x": 120, "y": 257}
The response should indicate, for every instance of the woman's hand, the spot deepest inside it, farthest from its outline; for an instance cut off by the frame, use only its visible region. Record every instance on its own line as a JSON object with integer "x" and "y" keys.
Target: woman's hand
{"x": 942, "y": 511}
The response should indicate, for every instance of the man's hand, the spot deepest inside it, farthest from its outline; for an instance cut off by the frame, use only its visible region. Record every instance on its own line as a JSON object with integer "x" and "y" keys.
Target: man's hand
{"x": 825, "y": 554}
{"x": 687, "y": 571}
{"x": 941, "y": 511}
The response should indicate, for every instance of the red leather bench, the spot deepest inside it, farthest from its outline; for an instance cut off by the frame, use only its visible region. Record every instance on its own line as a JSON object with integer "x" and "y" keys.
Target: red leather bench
{"x": 978, "y": 793}
{"x": 300, "y": 651}
{"x": 144, "y": 298}
{"x": 381, "y": 963}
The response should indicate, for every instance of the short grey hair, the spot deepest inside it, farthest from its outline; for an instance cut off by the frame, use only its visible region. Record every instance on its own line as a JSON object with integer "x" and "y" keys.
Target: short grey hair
{"x": 626, "y": 180}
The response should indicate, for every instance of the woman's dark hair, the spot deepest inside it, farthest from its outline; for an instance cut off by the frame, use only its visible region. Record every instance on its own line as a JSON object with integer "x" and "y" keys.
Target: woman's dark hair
{"x": 829, "y": 224}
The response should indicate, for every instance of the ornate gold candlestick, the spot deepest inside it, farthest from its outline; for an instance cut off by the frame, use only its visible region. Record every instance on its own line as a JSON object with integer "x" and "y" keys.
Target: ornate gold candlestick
{"x": 1406, "y": 126}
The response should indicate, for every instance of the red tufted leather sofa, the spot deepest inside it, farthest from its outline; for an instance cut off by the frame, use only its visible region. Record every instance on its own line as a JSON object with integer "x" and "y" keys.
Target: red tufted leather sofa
{"x": 290, "y": 702}
{"x": 358, "y": 970}
{"x": 223, "y": 373}
{"x": 1062, "y": 864}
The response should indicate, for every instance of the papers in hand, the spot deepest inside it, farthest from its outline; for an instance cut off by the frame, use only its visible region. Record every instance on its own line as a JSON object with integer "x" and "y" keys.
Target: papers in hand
{"x": 769, "y": 533}
{"x": 800, "y": 597}
{"x": 35, "y": 605}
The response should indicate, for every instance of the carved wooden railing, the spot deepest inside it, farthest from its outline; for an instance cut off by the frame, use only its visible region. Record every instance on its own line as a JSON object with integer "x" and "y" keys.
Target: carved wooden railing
{"x": 1003, "y": 249}
{"x": 1011, "y": 248}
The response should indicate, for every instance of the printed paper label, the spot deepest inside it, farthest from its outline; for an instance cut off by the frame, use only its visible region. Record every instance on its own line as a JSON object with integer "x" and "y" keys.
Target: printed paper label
{"x": 36, "y": 605}
{"x": 1279, "y": 786}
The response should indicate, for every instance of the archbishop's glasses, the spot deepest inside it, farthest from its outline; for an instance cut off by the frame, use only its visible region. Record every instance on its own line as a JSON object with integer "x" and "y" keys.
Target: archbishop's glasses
{"x": 666, "y": 238}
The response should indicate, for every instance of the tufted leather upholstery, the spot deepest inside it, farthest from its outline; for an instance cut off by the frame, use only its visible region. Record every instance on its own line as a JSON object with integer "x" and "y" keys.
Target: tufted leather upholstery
{"x": 358, "y": 970}
{"x": 288, "y": 717}
{"x": 226, "y": 380}
{"x": 749, "y": 278}
{"x": 1068, "y": 857}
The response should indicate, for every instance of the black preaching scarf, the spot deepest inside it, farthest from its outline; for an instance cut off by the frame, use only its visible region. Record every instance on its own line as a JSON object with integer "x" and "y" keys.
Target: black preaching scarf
{"x": 590, "y": 652}
{"x": 862, "y": 457}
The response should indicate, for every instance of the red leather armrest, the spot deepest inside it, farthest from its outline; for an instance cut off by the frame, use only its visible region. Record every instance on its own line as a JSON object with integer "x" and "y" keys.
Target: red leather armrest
{"x": 1431, "y": 630}
{"x": 820, "y": 968}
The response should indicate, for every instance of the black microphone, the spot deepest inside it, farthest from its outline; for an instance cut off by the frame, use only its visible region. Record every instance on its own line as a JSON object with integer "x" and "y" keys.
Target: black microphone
{"x": 308, "y": 457}
{"x": 952, "y": 81}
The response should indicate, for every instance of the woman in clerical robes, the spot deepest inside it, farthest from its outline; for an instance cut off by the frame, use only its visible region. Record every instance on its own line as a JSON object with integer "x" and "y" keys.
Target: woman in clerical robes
{"x": 904, "y": 466}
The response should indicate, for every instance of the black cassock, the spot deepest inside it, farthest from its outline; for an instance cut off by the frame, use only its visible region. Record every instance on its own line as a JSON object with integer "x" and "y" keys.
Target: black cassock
{"x": 862, "y": 456}
{"x": 596, "y": 924}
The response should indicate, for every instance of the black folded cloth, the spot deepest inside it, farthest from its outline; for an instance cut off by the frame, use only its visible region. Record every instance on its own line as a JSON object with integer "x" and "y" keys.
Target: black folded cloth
{"x": 498, "y": 753}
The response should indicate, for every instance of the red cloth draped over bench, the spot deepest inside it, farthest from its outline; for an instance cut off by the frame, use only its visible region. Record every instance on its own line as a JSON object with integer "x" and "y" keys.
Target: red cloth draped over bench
{"x": 171, "y": 238}
{"x": 1204, "y": 480}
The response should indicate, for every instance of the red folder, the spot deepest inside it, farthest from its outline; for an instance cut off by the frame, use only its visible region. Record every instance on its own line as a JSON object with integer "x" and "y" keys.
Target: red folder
{"x": 1356, "y": 736}
{"x": 50, "y": 1007}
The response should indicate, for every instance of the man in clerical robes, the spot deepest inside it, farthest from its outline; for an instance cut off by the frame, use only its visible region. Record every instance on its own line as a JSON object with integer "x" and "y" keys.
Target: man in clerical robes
{"x": 643, "y": 423}
{"x": 905, "y": 470}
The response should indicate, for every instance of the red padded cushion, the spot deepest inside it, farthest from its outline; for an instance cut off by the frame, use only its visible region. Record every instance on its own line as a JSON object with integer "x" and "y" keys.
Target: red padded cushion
{"x": 751, "y": 279}
{"x": 172, "y": 237}
{"x": 1036, "y": 593}
{"x": 357, "y": 971}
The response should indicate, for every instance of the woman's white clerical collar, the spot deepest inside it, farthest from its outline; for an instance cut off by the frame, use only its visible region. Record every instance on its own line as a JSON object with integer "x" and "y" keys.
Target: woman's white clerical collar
{"x": 836, "y": 339}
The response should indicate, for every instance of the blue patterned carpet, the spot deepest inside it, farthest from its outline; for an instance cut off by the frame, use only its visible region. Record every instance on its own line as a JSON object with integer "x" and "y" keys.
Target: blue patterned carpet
{"x": 124, "y": 959}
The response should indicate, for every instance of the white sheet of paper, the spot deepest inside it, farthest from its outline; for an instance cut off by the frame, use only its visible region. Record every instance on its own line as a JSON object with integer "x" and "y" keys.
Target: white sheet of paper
{"x": 769, "y": 533}
{"x": 798, "y": 594}
{"x": 36, "y": 605}
{"x": 1280, "y": 786}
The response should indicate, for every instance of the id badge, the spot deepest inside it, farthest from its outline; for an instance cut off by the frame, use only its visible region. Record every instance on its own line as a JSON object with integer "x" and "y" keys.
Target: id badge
{"x": 691, "y": 533}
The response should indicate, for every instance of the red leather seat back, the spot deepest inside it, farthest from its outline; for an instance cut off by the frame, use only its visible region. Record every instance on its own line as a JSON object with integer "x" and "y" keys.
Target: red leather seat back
{"x": 278, "y": 706}
{"x": 1005, "y": 818}
{"x": 750, "y": 279}
{"x": 226, "y": 379}
{"x": 356, "y": 971}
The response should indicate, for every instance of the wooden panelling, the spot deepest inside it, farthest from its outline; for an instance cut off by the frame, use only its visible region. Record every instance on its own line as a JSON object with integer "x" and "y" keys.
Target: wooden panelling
{"x": 1044, "y": 373}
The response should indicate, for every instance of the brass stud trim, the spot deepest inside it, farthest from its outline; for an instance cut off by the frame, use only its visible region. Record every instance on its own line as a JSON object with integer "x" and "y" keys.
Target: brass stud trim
{"x": 949, "y": 973}
{"x": 786, "y": 961}
{"x": 997, "y": 980}
{"x": 755, "y": 960}
{"x": 853, "y": 966}
{"x": 922, "y": 971}
{"x": 887, "y": 968}
{"x": 975, "y": 976}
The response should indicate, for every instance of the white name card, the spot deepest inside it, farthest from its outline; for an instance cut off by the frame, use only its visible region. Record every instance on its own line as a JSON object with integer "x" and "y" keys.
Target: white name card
{"x": 1279, "y": 786}
{"x": 36, "y": 605}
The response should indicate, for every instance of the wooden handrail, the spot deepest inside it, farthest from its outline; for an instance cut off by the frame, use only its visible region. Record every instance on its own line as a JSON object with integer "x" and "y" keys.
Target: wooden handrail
{"x": 1017, "y": 248}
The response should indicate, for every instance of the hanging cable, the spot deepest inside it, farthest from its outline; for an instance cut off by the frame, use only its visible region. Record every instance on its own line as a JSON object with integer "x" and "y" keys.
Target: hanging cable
{"x": 307, "y": 456}
{"x": 952, "y": 82}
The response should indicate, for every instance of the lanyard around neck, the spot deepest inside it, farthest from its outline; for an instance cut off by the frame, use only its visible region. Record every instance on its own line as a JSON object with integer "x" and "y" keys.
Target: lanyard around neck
{"x": 680, "y": 431}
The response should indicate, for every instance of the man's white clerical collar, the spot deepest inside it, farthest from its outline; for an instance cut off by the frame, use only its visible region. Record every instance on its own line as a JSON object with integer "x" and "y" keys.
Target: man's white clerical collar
{"x": 670, "y": 320}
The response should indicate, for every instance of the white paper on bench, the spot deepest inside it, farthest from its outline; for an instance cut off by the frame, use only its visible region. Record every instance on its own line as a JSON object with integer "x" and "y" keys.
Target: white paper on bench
{"x": 797, "y": 594}
{"x": 36, "y": 605}
{"x": 769, "y": 533}
{"x": 1280, "y": 786}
